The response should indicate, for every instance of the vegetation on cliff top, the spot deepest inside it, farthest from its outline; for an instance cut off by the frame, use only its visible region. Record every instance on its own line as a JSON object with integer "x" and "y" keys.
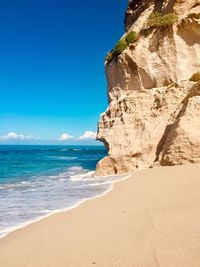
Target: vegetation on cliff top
{"x": 117, "y": 50}
{"x": 157, "y": 20}
{"x": 131, "y": 37}
{"x": 121, "y": 45}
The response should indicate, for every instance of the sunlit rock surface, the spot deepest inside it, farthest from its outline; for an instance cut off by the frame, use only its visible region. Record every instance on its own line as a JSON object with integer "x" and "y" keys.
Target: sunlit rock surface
{"x": 152, "y": 117}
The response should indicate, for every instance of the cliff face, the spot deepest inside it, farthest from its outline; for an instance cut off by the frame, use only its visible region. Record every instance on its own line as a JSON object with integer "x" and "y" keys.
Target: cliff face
{"x": 153, "y": 115}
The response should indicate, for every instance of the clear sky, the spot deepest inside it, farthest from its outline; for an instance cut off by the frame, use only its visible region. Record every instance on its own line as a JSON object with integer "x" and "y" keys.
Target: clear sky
{"x": 52, "y": 79}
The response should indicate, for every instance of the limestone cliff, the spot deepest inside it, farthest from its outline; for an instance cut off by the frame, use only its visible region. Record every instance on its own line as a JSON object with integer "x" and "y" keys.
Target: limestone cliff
{"x": 153, "y": 115}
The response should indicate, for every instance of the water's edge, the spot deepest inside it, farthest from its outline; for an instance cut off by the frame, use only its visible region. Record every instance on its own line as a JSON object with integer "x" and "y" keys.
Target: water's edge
{"x": 23, "y": 225}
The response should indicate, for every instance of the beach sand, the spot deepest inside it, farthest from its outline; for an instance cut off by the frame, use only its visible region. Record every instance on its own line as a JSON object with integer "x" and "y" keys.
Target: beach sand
{"x": 152, "y": 219}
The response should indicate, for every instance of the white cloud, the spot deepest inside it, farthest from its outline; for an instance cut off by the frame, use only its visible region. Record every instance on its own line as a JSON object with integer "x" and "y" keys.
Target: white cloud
{"x": 88, "y": 135}
{"x": 19, "y": 137}
{"x": 65, "y": 137}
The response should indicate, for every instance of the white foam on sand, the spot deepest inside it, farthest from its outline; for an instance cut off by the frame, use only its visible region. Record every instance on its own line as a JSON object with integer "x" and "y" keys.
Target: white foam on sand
{"x": 6, "y": 231}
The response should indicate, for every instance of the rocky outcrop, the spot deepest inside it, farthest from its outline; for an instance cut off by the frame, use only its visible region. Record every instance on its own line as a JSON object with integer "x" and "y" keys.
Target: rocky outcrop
{"x": 182, "y": 144}
{"x": 153, "y": 115}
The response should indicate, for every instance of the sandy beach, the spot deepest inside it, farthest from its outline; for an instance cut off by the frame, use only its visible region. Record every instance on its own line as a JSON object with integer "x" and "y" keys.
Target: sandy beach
{"x": 151, "y": 219}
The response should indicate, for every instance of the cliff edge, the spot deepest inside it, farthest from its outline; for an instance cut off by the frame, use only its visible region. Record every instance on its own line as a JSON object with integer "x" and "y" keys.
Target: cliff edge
{"x": 153, "y": 78}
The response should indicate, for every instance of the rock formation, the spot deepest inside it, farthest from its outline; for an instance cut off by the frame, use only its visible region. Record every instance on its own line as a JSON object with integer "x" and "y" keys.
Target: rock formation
{"x": 153, "y": 115}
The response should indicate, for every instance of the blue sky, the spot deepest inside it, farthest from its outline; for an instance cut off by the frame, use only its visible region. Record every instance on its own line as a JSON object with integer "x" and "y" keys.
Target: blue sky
{"x": 52, "y": 78}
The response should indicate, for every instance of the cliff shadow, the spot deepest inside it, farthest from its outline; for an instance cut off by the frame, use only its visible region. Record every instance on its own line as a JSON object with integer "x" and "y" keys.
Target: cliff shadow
{"x": 189, "y": 33}
{"x": 158, "y": 38}
{"x": 163, "y": 6}
{"x": 168, "y": 129}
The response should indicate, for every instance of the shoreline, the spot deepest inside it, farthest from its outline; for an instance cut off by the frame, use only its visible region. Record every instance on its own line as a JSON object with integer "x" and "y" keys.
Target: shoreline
{"x": 77, "y": 205}
{"x": 149, "y": 219}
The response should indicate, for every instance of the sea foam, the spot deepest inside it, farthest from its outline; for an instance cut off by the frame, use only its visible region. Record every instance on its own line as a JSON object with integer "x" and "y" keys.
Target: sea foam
{"x": 36, "y": 182}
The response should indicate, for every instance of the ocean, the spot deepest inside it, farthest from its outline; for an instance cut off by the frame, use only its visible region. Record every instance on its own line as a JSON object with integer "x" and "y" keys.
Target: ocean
{"x": 36, "y": 181}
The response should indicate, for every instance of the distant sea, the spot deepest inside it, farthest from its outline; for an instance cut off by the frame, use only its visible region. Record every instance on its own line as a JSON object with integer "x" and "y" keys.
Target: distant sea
{"x": 36, "y": 181}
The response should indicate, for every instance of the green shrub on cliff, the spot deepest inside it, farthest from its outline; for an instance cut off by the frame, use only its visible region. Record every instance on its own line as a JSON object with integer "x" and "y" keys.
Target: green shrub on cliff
{"x": 157, "y": 20}
{"x": 131, "y": 37}
{"x": 120, "y": 47}
{"x": 195, "y": 77}
{"x": 117, "y": 50}
{"x": 146, "y": 31}
{"x": 154, "y": 20}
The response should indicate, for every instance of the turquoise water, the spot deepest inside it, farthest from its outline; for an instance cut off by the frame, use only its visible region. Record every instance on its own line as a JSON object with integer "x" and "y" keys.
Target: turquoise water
{"x": 38, "y": 180}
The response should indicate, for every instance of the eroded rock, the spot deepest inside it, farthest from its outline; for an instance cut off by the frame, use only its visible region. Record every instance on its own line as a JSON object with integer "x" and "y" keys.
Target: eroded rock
{"x": 148, "y": 85}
